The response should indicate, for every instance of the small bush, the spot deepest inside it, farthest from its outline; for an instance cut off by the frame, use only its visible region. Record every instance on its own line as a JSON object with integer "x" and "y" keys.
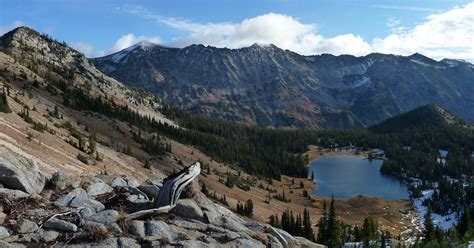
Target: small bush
{"x": 82, "y": 158}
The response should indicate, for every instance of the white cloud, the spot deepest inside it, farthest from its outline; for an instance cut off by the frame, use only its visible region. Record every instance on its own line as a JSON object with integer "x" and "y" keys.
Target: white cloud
{"x": 344, "y": 44}
{"x": 448, "y": 34}
{"x": 131, "y": 39}
{"x": 87, "y": 49}
{"x": 123, "y": 42}
{"x": 406, "y": 7}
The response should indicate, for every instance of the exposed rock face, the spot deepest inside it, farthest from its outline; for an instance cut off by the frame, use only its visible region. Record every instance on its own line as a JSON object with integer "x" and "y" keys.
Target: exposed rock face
{"x": 266, "y": 85}
{"x": 98, "y": 187}
{"x": 189, "y": 209}
{"x": 62, "y": 180}
{"x": 20, "y": 173}
{"x": 79, "y": 198}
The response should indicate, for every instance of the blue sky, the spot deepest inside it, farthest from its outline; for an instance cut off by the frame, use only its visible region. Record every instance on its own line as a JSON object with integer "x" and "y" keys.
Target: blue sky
{"x": 436, "y": 28}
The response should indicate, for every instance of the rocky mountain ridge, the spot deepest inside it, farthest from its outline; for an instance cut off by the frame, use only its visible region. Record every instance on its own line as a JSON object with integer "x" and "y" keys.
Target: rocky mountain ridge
{"x": 268, "y": 86}
{"x": 58, "y": 67}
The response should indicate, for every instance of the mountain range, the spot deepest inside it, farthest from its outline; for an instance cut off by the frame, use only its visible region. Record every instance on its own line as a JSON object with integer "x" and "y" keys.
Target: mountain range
{"x": 60, "y": 111}
{"x": 266, "y": 86}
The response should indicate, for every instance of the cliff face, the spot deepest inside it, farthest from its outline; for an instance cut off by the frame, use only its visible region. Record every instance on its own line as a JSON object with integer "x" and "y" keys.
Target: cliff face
{"x": 268, "y": 86}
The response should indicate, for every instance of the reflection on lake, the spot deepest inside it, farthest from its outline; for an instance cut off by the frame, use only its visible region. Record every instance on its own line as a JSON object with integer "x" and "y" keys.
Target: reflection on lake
{"x": 348, "y": 176}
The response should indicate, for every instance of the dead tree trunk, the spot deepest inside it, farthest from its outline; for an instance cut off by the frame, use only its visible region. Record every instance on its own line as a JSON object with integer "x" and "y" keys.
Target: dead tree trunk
{"x": 170, "y": 191}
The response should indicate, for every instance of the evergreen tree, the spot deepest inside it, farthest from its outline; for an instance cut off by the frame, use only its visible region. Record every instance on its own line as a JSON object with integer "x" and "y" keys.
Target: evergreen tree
{"x": 465, "y": 223}
{"x": 333, "y": 227}
{"x": 429, "y": 232}
{"x": 81, "y": 142}
{"x": 248, "y": 211}
{"x": 307, "y": 229}
{"x": 92, "y": 144}
{"x": 204, "y": 189}
{"x": 322, "y": 226}
{"x": 4, "y": 107}
{"x": 383, "y": 242}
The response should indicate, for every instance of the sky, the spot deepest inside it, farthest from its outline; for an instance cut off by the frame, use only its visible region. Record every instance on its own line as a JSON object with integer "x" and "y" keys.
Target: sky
{"x": 438, "y": 29}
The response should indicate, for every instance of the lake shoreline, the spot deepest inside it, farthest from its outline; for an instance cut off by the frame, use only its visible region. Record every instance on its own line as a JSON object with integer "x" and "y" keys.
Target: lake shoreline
{"x": 346, "y": 175}
{"x": 314, "y": 153}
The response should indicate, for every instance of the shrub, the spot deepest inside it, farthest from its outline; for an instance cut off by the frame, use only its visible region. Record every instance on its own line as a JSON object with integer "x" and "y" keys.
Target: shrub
{"x": 82, "y": 158}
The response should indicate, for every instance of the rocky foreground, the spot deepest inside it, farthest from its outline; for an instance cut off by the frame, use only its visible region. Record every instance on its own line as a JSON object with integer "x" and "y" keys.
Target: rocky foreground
{"x": 71, "y": 211}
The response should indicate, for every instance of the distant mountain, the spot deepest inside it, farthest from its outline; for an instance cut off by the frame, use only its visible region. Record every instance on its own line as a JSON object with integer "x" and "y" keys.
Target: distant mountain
{"x": 268, "y": 86}
{"x": 427, "y": 116}
{"x": 60, "y": 68}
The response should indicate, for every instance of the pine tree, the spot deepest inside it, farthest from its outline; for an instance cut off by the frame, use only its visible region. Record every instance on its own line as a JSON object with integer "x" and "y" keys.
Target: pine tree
{"x": 307, "y": 230}
{"x": 248, "y": 211}
{"x": 429, "y": 232}
{"x": 239, "y": 208}
{"x": 4, "y": 107}
{"x": 333, "y": 227}
{"x": 92, "y": 144}
{"x": 465, "y": 222}
{"x": 204, "y": 189}
{"x": 383, "y": 240}
{"x": 56, "y": 111}
{"x": 82, "y": 142}
{"x": 322, "y": 226}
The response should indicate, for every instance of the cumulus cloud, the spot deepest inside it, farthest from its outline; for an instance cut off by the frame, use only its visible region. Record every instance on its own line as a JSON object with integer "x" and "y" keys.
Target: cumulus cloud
{"x": 448, "y": 34}
{"x": 123, "y": 42}
{"x": 131, "y": 39}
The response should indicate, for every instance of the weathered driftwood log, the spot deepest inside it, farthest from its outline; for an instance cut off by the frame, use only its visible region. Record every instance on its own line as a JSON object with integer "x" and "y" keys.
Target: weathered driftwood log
{"x": 169, "y": 194}
{"x": 174, "y": 184}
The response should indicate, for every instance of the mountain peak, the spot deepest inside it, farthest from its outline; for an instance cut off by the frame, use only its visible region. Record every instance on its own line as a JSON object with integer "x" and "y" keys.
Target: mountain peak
{"x": 144, "y": 45}
{"x": 263, "y": 46}
{"x": 23, "y": 29}
{"x": 19, "y": 33}
{"x": 420, "y": 58}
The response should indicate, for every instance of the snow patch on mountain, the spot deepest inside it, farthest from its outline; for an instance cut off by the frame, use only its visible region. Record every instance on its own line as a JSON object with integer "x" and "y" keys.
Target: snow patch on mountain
{"x": 443, "y": 222}
{"x": 143, "y": 45}
{"x": 364, "y": 81}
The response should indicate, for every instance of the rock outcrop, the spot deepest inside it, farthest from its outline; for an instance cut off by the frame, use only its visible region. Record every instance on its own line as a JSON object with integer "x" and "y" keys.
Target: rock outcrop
{"x": 71, "y": 217}
{"x": 20, "y": 173}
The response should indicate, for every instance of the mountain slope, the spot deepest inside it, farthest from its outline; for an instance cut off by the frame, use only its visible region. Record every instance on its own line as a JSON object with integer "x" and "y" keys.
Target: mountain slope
{"x": 428, "y": 116}
{"x": 268, "y": 86}
{"x": 58, "y": 68}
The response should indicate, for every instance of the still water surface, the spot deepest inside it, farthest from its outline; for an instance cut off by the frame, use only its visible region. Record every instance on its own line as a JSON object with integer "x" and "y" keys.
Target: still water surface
{"x": 348, "y": 176}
